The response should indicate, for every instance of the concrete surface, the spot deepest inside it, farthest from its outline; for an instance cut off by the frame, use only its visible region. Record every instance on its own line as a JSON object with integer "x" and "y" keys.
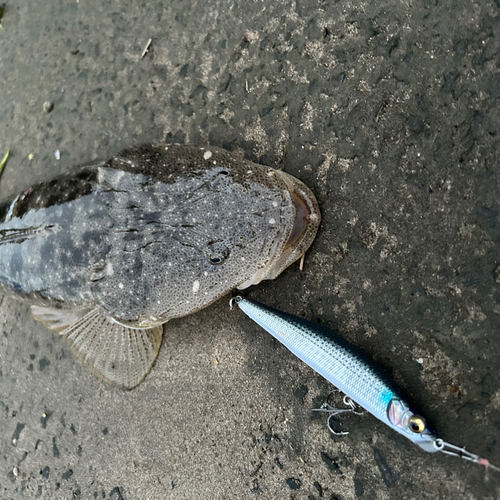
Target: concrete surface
{"x": 389, "y": 111}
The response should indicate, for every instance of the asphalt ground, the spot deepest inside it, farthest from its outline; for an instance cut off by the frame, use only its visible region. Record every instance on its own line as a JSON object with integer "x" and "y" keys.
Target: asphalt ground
{"x": 389, "y": 112}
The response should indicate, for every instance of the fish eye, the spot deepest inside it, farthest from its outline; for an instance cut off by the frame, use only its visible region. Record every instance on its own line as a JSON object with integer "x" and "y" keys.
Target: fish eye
{"x": 217, "y": 252}
{"x": 417, "y": 424}
{"x": 224, "y": 172}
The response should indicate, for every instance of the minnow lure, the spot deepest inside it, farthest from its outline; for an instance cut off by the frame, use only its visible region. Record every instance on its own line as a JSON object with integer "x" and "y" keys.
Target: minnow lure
{"x": 350, "y": 370}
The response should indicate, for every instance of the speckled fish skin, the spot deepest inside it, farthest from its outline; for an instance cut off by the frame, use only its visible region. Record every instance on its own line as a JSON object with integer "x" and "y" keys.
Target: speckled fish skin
{"x": 154, "y": 233}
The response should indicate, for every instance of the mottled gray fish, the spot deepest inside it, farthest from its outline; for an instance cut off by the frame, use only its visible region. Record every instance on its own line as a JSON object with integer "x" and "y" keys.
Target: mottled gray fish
{"x": 111, "y": 251}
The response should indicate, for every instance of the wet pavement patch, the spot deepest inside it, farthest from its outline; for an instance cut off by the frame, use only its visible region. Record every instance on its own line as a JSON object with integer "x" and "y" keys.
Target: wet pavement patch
{"x": 66, "y": 475}
{"x": 387, "y": 474}
{"x": 301, "y": 392}
{"x": 319, "y": 488}
{"x": 116, "y": 494}
{"x": 293, "y": 483}
{"x": 359, "y": 487}
{"x": 55, "y": 449}
{"x": 17, "y": 433}
{"x": 43, "y": 363}
{"x": 331, "y": 463}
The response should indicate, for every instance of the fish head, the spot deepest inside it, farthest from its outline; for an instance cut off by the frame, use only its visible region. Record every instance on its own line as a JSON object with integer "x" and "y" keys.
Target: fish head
{"x": 191, "y": 224}
{"x": 300, "y": 222}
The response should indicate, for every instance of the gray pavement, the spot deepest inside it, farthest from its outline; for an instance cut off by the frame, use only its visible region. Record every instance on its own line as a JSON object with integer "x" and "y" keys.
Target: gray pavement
{"x": 389, "y": 111}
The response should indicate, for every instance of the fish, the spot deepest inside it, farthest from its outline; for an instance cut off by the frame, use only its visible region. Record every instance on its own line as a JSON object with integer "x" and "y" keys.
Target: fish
{"x": 109, "y": 252}
{"x": 353, "y": 372}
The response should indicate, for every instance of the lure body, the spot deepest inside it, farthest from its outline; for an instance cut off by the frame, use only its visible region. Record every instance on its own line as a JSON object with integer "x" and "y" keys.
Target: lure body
{"x": 345, "y": 366}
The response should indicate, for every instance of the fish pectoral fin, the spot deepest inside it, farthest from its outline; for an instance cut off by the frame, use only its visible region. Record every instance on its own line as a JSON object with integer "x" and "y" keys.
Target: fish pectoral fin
{"x": 57, "y": 319}
{"x": 118, "y": 354}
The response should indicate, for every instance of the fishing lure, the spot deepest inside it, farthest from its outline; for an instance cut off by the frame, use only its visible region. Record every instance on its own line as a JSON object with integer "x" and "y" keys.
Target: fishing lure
{"x": 354, "y": 373}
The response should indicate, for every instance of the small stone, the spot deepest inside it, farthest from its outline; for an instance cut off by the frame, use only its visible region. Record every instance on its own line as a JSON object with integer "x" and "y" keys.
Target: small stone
{"x": 250, "y": 36}
{"x": 15, "y": 471}
{"x": 48, "y": 106}
{"x": 57, "y": 154}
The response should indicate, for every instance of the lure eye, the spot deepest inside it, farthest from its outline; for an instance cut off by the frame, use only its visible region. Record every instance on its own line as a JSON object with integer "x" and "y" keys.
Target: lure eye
{"x": 417, "y": 424}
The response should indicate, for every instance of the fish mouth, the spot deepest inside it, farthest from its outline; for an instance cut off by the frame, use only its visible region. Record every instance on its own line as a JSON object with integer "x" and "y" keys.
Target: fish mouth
{"x": 286, "y": 249}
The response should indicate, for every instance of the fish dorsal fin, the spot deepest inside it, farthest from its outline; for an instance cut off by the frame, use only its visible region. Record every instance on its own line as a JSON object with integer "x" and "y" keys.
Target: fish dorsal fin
{"x": 120, "y": 355}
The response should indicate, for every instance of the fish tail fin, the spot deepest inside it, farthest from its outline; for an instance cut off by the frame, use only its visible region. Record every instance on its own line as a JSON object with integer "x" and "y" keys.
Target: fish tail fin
{"x": 118, "y": 354}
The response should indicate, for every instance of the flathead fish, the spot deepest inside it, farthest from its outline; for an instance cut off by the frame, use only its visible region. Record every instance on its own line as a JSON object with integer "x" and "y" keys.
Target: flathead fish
{"x": 111, "y": 251}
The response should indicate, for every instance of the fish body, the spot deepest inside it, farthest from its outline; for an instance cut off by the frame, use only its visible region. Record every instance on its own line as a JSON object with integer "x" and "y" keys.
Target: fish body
{"x": 114, "y": 249}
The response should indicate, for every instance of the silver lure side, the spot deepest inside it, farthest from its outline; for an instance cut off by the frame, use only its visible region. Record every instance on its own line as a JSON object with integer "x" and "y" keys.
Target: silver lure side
{"x": 350, "y": 370}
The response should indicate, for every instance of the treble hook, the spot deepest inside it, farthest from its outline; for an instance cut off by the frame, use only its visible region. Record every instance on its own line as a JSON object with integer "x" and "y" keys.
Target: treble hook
{"x": 326, "y": 407}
